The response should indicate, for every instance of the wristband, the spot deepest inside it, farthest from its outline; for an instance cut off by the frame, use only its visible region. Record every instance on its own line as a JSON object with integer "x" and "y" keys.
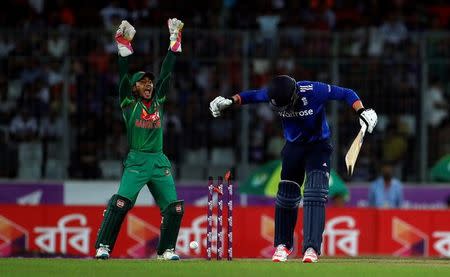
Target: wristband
{"x": 359, "y": 112}
{"x": 236, "y": 99}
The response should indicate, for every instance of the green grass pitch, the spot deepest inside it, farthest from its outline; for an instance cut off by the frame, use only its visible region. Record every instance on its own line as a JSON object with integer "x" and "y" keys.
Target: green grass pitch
{"x": 240, "y": 267}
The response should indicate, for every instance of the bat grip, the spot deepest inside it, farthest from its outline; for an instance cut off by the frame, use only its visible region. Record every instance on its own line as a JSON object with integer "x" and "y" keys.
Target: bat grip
{"x": 363, "y": 129}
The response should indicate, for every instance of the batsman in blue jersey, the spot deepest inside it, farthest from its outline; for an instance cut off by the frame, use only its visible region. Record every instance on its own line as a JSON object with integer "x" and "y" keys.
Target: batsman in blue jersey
{"x": 301, "y": 106}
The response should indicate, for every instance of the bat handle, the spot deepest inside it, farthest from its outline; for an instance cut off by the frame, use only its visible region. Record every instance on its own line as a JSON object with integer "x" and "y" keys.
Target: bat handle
{"x": 363, "y": 129}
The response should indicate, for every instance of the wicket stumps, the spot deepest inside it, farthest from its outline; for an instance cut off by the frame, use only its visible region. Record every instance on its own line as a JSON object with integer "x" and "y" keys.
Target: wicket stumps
{"x": 230, "y": 215}
{"x": 219, "y": 189}
{"x": 219, "y": 218}
{"x": 209, "y": 218}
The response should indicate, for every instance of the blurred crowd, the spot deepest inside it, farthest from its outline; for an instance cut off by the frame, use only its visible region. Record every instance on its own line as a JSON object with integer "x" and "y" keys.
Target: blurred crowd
{"x": 49, "y": 49}
{"x": 235, "y": 14}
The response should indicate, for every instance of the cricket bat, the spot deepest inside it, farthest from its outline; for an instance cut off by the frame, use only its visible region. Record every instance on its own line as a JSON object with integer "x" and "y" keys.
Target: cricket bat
{"x": 353, "y": 152}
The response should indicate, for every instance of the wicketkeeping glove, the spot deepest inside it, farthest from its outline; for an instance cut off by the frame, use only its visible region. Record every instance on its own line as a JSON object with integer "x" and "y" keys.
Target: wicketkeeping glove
{"x": 219, "y": 104}
{"x": 175, "y": 27}
{"x": 369, "y": 118}
{"x": 124, "y": 35}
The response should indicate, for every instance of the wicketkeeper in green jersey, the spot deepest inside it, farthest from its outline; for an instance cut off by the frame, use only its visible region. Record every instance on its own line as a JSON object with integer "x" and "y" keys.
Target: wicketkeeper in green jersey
{"x": 141, "y": 101}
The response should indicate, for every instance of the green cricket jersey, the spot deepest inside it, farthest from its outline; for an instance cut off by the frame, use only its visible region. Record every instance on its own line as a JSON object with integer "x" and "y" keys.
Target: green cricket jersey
{"x": 144, "y": 125}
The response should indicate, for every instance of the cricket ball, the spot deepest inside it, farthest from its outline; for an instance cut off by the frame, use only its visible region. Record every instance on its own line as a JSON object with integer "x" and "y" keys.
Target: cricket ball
{"x": 193, "y": 245}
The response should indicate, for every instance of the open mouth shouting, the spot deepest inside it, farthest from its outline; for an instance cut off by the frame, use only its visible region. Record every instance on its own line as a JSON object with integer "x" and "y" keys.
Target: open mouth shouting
{"x": 147, "y": 92}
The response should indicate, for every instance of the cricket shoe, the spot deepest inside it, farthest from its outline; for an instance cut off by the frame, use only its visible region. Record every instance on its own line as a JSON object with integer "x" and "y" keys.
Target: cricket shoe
{"x": 102, "y": 252}
{"x": 168, "y": 255}
{"x": 310, "y": 256}
{"x": 281, "y": 253}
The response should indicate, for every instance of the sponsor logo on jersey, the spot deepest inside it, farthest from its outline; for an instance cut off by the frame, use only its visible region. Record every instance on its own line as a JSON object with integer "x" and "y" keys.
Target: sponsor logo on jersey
{"x": 150, "y": 116}
{"x": 305, "y": 88}
{"x": 120, "y": 203}
{"x": 149, "y": 120}
{"x": 296, "y": 114}
{"x": 305, "y": 101}
{"x": 147, "y": 124}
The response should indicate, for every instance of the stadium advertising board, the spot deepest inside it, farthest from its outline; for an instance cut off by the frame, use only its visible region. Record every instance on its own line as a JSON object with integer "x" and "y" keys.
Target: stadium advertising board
{"x": 52, "y": 230}
{"x": 82, "y": 193}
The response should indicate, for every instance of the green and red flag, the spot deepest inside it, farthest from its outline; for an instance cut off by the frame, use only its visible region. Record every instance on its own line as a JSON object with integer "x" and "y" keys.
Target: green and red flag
{"x": 264, "y": 180}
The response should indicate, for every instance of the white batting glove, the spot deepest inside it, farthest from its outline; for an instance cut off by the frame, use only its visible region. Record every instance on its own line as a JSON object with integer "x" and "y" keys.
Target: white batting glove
{"x": 175, "y": 27}
{"x": 368, "y": 118}
{"x": 124, "y": 35}
{"x": 218, "y": 105}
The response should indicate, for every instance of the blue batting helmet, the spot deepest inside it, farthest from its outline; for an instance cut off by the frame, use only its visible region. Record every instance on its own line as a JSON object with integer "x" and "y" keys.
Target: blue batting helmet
{"x": 281, "y": 92}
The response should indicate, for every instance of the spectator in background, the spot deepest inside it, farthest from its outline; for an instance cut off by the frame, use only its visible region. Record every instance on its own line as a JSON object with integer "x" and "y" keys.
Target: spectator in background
{"x": 256, "y": 148}
{"x": 51, "y": 127}
{"x": 323, "y": 17}
{"x": 275, "y": 144}
{"x": 54, "y": 73}
{"x": 51, "y": 131}
{"x": 393, "y": 30}
{"x": 8, "y": 154}
{"x": 395, "y": 145}
{"x": 24, "y": 127}
{"x": 268, "y": 25}
{"x": 32, "y": 71}
{"x": 57, "y": 45}
{"x": 112, "y": 15}
{"x": 84, "y": 162}
{"x": 6, "y": 105}
{"x": 6, "y": 45}
{"x": 43, "y": 96}
{"x": 435, "y": 101}
{"x": 285, "y": 64}
{"x": 173, "y": 133}
{"x": 261, "y": 65}
{"x": 386, "y": 191}
{"x": 37, "y": 5}
{"x": 366, "y": 169}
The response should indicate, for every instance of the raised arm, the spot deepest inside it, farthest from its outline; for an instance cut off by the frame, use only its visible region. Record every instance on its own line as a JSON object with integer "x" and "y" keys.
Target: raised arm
{"x": 123, "y": 67}
{"x": 124, "y": 36}
{"x": 162, "y": 85}
{"x": 124, "y": 79}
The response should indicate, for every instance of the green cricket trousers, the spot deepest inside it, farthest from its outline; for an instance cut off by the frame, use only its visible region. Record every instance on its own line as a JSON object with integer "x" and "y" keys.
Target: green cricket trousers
{"x": 151, "y": 169}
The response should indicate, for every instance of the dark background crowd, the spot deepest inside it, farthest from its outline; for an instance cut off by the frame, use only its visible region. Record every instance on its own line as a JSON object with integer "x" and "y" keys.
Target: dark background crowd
{"x": 325, "y": 15}
{"x": 395, "y": 54}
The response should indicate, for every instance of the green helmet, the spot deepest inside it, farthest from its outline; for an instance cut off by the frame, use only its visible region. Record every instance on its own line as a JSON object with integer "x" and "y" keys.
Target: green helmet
{"x": 141, "y": 74}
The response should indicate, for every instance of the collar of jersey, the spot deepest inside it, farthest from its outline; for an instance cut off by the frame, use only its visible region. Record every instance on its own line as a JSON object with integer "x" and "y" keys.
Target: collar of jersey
{"x": 145, "y": 107}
